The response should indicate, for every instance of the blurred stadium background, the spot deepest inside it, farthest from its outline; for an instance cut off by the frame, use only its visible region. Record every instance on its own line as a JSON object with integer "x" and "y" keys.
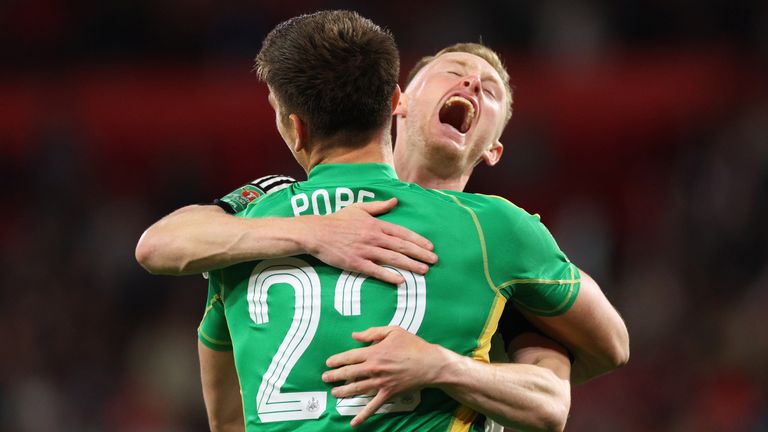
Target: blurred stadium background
{"x": 640, "y": 134}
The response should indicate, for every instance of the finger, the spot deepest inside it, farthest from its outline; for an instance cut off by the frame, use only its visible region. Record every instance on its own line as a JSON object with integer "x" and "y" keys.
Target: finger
{"x": 346, "y": 373}
{"x": 375, "y": 208}
{"x": 370, "y": 408}
{"x": 406, "y": 234}
{"x": 353, "y": 356}
{"x": 373, "y": 334}
{"x": 356, "y": 388}
{"x": 395, "y": 259}
{"x": 407, "y": 248}
{"x": 381, "y": 273}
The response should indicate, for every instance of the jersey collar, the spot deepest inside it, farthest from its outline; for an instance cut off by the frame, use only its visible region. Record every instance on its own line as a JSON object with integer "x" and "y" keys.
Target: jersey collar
{"x": 351, "y": 173}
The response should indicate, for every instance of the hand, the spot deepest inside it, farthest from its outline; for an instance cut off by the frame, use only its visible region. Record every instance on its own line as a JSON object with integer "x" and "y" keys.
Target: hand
{"x": 397, "y": 361}
{"x": 353, "y": 239}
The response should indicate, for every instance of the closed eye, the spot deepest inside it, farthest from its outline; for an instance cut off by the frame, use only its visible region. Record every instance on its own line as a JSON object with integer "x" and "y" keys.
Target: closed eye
{"x": 454, "y": 73}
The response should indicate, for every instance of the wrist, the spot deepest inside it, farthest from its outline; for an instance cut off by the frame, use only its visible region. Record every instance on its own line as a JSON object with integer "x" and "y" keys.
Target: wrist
{"x": 300, "y": 235}
{"x": 274, "y": 237}
{"x": 449, "y": 369}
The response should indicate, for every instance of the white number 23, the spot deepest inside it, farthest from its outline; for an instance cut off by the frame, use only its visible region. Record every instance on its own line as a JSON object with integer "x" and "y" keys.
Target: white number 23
{"x": 274, "y": 405}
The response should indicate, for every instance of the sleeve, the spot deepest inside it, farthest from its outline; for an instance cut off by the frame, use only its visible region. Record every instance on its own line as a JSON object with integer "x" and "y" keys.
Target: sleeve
{"x": 213, "y": 331}
{"x": 531, "y": 270}
{"x": 237, "y": 200}
{"x": 512, "y": 324}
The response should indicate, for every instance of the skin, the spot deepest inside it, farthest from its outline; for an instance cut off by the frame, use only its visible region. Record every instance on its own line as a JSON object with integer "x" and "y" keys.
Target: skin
{"x": 223, "y": 405}
{"x": 435, "y": 155}
{"x": 442, "y": 158}
{"x": 350, "y": 239}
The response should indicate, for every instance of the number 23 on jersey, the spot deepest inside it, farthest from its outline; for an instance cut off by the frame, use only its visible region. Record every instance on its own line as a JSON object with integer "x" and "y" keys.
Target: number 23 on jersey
{"x": 274, "y": 405}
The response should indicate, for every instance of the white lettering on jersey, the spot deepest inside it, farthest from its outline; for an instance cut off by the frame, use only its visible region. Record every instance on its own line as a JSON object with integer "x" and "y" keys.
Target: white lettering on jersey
{"x": 364, "y": 194}
{"x": 321, "y": 200}
{"x": 298, "y": 208}
{"x": 326, "y": 201}
{"x": 344, "y": 197}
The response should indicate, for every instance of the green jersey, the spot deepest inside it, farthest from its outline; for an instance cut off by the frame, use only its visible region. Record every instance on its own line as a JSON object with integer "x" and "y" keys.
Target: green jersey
{"x": 285, "y": 317}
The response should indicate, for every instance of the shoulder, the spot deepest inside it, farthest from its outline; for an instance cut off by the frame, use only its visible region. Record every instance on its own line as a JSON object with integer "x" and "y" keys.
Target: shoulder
{"x": 492, "y": 207}
{"x": 504, "y": 222}
{"x": 273, "y": 183}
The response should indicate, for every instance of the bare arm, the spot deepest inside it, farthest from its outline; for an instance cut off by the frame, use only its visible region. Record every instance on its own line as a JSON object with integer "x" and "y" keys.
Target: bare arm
{"x": 531, "y": 393}
{"x": 221, "y": 390}
{"x": 526, "y": 396}
{"x": 199, "y": 238}
{"x": 592, "y": 329}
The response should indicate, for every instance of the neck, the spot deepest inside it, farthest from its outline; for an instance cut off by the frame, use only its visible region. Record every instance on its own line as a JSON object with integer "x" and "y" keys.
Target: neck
{"x": 412, "y": 170}
{"x": 377, "y": 149}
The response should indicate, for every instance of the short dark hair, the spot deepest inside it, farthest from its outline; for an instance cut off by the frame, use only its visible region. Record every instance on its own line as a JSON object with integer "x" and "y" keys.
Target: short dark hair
{"x": 335, "y": 69}
{"x": 477, "y": 49}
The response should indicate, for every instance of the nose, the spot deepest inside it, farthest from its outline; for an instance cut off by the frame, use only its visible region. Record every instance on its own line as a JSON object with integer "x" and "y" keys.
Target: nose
{"x": 472, "y": 82}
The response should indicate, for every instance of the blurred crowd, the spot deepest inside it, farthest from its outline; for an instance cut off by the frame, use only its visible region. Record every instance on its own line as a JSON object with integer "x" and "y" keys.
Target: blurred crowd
{"x": 640, "y": 135}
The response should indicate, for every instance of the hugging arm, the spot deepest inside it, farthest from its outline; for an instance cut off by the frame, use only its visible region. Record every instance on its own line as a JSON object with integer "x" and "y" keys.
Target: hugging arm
{"x": 532, "y": 395}
{"x": 200, "y": 238}
{"x": 591, "y": 329}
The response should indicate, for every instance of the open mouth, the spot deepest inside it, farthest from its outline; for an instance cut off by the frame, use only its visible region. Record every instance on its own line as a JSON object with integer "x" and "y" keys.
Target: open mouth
{"x": 458, "y": 112}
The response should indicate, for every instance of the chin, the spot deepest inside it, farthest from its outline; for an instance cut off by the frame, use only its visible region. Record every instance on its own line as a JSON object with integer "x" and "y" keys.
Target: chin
{"x": 444, "y": 149}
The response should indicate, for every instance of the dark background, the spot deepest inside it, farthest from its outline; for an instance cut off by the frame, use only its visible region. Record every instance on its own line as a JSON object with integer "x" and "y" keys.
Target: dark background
{"x": 640, "y": 134}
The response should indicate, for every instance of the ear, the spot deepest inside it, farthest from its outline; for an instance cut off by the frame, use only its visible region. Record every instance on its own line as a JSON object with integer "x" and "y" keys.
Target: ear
{"x": 300, "y": 131}
{"x": 399, "y": 106}
{"x": 396, "y": 97}
{"x": 492, "y": 155}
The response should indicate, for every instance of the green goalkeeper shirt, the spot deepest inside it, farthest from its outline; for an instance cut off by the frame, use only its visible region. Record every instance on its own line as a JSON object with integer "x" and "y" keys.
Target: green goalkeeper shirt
{"x": 284, "y": 317}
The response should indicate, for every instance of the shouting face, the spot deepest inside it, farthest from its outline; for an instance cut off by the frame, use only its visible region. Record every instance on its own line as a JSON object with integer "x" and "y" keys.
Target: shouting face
{"x": 452, "y": 115}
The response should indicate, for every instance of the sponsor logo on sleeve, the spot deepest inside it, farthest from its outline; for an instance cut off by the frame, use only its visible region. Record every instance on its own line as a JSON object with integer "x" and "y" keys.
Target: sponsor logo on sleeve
{"x": 240, "y": 198}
